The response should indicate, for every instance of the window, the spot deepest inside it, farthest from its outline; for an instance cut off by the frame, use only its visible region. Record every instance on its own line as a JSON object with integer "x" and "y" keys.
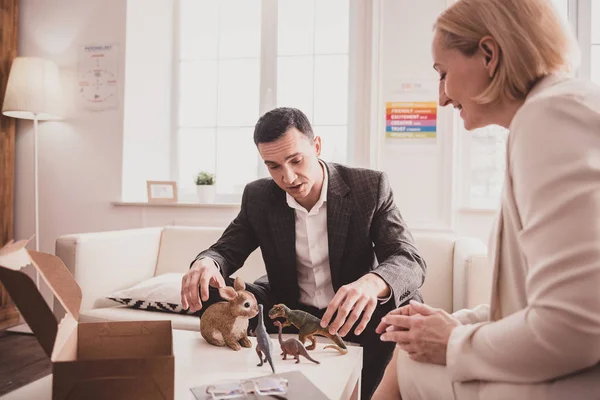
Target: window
{"x": 595, "y": 42}
{"x": 483, "y": 161}
{"x": 563, "y": 8}
{"x": 312, "y": 67}
{"x": 237, "y": 59}
{"x": 482, "y": 152}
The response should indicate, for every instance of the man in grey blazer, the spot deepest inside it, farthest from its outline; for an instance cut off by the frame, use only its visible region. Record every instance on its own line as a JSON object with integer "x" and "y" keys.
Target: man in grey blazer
{"x": 333, "y": 242}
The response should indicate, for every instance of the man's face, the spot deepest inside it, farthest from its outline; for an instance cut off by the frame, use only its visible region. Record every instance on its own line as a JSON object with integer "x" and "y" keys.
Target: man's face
{"x": 293, "y": 163}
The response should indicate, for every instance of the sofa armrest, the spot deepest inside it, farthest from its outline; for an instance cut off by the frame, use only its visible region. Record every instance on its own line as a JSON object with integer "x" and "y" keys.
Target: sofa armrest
{"x": 104, "y": 262}
{"x": 465, "y": 249}
{"x": 479, "y": 281}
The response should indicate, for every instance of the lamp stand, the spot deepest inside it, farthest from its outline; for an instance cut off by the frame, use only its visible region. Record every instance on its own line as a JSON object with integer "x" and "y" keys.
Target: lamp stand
{"x": 24, "y": 327}
{"x": 35, "y": 189}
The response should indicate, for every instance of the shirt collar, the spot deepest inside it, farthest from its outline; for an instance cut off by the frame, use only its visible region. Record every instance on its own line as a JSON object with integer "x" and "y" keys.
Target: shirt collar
{"x": 322, "y": 198}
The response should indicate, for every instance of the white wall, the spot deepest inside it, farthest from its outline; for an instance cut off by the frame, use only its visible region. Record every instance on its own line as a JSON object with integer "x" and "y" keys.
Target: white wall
{"x": 81, "y": 157}
{"x": 420, "y": 170}
{"x": 476, "y": 223}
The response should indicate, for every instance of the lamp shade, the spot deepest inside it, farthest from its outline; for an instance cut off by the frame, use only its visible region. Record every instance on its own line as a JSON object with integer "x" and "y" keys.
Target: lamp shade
{"x": 33, "y": 89}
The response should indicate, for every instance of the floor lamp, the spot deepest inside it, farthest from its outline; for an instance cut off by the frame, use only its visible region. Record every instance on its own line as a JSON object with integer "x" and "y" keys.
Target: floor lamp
{"x": 33, "y": 92}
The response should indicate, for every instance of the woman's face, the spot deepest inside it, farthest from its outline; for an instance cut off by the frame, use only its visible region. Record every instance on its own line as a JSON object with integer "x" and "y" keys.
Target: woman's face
{"x": 462, "y": 78}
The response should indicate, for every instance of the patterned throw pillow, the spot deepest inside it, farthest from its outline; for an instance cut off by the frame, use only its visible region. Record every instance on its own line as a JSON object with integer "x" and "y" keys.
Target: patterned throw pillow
{"x": 160, "y": 293}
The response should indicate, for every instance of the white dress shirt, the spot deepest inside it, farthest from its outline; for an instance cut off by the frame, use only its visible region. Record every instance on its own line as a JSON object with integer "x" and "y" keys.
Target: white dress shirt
{"x": 312, "y": 250}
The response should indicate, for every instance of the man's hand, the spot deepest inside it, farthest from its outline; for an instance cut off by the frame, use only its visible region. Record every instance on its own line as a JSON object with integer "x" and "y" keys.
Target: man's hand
{"x": 350, "y": 301}
{"x": 422, "y": 331}
{"x": 203, "y": 273}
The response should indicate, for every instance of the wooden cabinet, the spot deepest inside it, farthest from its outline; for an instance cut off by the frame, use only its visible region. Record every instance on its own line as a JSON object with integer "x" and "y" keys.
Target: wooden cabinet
{"x": 9, "y": 11}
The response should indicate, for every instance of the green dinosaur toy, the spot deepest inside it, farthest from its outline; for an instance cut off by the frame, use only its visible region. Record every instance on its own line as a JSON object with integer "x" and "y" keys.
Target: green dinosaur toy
{"x": 308, "y": 325}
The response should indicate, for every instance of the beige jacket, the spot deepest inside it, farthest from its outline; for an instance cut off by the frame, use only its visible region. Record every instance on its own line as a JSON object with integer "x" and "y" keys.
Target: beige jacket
{"x": 543, "y": 322}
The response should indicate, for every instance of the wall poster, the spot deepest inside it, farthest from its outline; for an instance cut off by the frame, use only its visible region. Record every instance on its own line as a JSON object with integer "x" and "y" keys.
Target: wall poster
{"x": 98, "y": 77}
{"x": 411, "y": 113}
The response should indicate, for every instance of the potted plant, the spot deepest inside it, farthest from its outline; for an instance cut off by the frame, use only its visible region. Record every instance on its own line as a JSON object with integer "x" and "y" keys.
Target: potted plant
{"x": 205, "y": 187}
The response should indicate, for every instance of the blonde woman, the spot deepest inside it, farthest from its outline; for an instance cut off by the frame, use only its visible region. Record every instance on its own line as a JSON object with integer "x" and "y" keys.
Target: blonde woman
{"x": 503, "y": 62}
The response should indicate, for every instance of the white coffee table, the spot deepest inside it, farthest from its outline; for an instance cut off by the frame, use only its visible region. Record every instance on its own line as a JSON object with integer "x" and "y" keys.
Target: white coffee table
{"x": 338, "y": 376}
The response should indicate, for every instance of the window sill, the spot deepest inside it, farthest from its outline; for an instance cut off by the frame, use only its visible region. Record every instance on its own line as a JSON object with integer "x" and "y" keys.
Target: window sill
{"x": 178, "y": 204}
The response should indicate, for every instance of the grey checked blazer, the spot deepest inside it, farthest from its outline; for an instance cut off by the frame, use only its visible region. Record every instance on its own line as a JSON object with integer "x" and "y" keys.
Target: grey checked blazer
{"x": 363, "y": 226}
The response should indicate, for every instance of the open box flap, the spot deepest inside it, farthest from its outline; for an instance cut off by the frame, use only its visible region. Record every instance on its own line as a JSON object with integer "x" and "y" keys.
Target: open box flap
{"x": 25, "y": 295}
{"x": 14, "y": 255}
{"x": 60, "y": 280}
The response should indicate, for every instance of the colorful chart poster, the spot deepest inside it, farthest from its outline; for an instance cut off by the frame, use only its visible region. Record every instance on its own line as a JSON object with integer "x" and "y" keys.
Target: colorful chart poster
{"x": 411, "y": 120}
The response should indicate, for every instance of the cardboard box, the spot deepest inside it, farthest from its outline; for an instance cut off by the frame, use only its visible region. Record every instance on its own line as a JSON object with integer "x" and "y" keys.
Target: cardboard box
{"x": 112, "y": 360}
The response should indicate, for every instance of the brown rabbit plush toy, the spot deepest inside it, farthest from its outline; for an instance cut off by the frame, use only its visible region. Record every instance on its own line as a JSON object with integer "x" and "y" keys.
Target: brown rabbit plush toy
{"x": 226, "y": 322}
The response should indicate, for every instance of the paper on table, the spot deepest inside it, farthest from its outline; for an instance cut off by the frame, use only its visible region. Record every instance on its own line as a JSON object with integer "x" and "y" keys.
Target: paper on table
{"x": 299, "y": 388}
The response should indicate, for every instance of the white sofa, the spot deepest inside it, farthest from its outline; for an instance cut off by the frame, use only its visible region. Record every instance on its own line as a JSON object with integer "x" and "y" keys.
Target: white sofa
{"x": 104, "y": 262}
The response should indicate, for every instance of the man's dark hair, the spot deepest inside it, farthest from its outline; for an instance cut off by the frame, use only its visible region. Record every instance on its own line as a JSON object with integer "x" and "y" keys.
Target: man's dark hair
{"x": 276, "y": 122}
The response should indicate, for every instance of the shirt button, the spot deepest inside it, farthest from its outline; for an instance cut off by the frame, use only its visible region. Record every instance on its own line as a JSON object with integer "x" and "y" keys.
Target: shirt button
{"x": 317, "y": 270}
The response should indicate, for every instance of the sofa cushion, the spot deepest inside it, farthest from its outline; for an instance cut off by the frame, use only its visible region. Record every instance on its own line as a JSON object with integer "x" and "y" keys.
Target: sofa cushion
{"x": 438, "y": 252}
{"x": 179, "y": 246}
{"x": 122, "y": 313}
{"x": 102, "y": 262}
{"x": 160, "y": 293}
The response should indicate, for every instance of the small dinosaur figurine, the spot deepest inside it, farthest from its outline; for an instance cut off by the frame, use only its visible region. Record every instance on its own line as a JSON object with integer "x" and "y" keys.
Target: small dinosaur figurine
{"x": 263, "y": 341}
{"x": 292, "y": 347}
{"x": 308, "y": 325}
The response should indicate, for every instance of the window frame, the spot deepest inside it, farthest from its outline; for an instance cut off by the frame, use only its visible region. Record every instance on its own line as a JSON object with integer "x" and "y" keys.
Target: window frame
{"x": 359, "y": 50}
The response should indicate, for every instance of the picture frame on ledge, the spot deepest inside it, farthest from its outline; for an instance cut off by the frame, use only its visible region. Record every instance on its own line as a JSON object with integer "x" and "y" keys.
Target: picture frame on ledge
{"x": 160, "y": 192}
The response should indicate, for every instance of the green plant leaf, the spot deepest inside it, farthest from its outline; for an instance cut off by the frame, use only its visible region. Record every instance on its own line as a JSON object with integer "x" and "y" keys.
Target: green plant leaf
{"x": 205, "y": 178}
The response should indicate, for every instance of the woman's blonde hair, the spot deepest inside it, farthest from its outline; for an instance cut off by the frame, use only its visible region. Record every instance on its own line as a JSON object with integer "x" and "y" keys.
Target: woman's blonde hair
{"x": 532, "y": 38}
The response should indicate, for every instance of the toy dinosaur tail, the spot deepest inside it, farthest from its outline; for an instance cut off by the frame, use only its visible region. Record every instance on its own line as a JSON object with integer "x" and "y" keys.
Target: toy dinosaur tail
{"x": 339, "y": 344}
{"x": 305, "y": 354}
{"x": 270, "y": 361}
